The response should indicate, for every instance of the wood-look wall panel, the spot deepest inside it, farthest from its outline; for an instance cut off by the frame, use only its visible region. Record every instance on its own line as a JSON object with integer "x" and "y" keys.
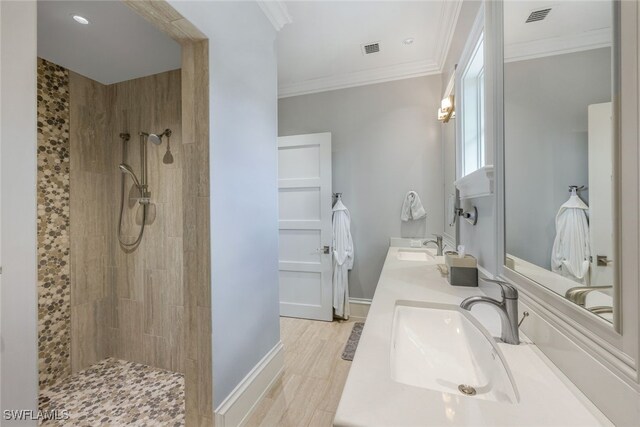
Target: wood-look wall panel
{"x": 92, "y": 307}
{"x": 196, "y": 236}
{"x": 167, "y": 19}
{"x": 149, "y": 278}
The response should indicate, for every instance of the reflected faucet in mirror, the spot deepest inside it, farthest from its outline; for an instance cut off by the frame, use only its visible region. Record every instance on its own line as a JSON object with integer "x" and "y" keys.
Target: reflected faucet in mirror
{"x": 578, "y": 294}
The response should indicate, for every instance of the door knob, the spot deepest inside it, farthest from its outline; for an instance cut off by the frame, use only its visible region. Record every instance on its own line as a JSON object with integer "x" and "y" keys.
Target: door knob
{"x": 324, "y": 250}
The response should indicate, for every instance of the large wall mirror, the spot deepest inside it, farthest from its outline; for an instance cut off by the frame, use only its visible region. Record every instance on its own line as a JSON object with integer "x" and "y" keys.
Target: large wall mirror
{"x": 559, "y": 145}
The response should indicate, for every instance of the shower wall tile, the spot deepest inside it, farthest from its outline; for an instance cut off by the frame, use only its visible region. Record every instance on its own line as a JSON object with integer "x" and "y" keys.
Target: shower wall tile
{"x": 130, "y": 330}
{"x": 202, "y": 242}
{"x": 195, "y": 234}
{"x": 149, "y": 276}
{"x": 54, "y": 286}
{"x": 177, "y": 339}
{"x": 157, "y": 350}
{"x": 92, "y": 309}
{"x": 87, "y": 322}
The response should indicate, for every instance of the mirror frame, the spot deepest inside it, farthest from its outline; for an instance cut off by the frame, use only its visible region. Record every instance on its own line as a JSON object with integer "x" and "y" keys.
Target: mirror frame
{"x": 452, "y": 240}
{"x": 616, "y": 346}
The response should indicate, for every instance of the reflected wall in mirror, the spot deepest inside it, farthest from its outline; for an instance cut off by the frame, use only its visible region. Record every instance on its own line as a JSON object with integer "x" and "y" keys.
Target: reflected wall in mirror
{"x": 559, "y": 145}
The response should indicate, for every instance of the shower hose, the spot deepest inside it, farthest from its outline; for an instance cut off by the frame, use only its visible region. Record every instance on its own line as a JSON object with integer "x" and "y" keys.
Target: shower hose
{"x": 144, "y": 218}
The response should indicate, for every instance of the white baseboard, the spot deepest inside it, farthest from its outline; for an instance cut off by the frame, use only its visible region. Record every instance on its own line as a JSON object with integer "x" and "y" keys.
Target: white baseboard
{"x": 359, "y": 308}
{"x": 241, "y": 402}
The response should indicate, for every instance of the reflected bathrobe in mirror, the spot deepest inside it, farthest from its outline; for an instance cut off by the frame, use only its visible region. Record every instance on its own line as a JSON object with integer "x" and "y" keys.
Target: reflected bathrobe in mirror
{"x": 342, "y": 259}
{"x": 571, "y": 247}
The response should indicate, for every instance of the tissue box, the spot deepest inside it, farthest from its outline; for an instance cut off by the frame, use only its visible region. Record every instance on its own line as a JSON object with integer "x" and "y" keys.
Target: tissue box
{"x": 462, "y": 271}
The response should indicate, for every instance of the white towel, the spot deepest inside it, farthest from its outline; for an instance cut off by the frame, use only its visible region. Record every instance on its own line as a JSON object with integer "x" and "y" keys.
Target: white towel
{"x": 412, "y": 207}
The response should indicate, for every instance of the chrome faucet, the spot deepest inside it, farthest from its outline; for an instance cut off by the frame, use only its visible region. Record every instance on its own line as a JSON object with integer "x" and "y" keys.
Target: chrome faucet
{"x": 437, "y": 241}
{"x": 508, "y": 309}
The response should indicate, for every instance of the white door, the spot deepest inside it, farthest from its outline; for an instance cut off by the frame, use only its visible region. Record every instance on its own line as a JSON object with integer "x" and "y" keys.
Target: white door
{"x": 304, "y": 194}
{"x": 600, "y": 193}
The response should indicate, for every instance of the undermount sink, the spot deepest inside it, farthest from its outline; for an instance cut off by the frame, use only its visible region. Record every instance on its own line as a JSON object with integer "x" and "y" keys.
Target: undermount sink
{"x": 442, "y": 348}
{"x": 415, "y": 255}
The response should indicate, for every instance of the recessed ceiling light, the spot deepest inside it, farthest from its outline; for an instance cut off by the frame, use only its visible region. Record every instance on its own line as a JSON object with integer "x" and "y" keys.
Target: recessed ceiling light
{"x": 408, "y": 41}
{"x": 80, "y": 19}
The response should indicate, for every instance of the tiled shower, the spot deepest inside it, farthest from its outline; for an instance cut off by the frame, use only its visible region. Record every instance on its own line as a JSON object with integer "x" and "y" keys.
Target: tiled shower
{"x": 101, "y": 304}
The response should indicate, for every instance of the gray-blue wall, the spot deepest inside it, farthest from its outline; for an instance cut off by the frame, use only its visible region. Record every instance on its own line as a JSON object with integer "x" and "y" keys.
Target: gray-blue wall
{"x": 385, "y": 142}
{"x": 546, "y": 142}
{"x": 243, "y": 172}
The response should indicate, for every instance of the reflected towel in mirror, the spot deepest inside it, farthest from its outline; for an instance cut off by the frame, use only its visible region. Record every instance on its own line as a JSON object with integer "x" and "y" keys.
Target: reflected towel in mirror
{"x": 571, "y": 247}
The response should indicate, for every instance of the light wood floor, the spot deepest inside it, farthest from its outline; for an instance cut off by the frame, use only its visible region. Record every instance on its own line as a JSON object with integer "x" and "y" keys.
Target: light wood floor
{"x": 314, "y": 375}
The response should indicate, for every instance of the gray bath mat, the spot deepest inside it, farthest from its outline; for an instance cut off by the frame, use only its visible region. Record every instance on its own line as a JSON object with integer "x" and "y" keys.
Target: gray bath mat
{"x": 352, "y": 343}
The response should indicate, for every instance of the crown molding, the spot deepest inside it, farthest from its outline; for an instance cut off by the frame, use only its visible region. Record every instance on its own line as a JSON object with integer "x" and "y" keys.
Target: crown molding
{"x": 448, "y": 22}
{"x": 277, "y": 13}
{"x": 359, "y": 78}
{"x": 558, "y": 45}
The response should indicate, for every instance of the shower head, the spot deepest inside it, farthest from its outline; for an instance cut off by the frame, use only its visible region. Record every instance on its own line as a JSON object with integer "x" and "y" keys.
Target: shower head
{"x": 155, "y": 139}
{"x": 125, "y": 168}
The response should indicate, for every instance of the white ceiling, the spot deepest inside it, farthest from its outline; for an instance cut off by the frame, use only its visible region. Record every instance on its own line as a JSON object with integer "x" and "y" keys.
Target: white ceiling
{"x": 117, "y": 45}
{"x": 321, "y": 48}
{"x": 570, "y": 26}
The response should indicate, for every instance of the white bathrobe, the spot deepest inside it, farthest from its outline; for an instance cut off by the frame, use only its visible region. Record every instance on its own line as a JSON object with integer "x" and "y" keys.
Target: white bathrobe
{"x": 571, "y": 248}
{"x": 342, "y": 259}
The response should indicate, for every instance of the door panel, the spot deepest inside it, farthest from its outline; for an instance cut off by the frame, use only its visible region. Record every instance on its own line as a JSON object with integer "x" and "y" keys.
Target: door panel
{"x": 601, "y": 192}
{"x": 304, "y": 195}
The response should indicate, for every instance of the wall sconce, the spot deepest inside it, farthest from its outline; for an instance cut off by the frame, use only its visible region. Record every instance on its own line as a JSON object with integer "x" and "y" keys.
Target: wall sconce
{"x": 447, "y": 109}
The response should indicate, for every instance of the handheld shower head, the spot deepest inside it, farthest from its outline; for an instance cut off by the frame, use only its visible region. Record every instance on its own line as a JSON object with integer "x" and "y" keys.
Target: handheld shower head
{"x": 126, "y": 169}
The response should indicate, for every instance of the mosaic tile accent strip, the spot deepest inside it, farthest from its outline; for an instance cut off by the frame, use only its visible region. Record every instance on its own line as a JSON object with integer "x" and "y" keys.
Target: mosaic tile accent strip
{"x": 117, "y": 393}
{"x": 54, "y": 288}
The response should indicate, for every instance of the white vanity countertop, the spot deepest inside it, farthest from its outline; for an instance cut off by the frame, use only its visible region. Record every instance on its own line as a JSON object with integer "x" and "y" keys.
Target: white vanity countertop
{"x": 372, "y": 398}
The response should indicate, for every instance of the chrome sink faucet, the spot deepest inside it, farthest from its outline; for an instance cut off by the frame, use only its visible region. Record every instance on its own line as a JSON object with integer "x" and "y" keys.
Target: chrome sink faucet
{"x": 507, "y": 308}
{"x": 437, "y": 241}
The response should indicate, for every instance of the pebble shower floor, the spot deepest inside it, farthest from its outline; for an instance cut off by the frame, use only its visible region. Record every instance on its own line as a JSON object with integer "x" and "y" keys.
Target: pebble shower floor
{"x": 117, "y": 393}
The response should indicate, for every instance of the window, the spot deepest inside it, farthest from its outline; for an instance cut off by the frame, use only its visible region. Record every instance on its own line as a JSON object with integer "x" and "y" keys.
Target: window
{"x": 472, "y": 117}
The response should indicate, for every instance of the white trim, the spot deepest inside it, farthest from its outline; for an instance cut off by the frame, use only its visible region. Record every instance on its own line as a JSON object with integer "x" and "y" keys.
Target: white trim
{"x": 475, "y": 34}
{"x": 448, "y": 22}
{"x": 359, "y": 308}
{"x": 277, "y": 13}
{"x": 614, "y": 395}
{"x": 449, "y": 18}
{"x": 450, "y": 89}
{"x": 359, "y": 78}
{"x": 478, "y": 183}
{"x": 593, "y": 39}
{"x": 241, "y": 402}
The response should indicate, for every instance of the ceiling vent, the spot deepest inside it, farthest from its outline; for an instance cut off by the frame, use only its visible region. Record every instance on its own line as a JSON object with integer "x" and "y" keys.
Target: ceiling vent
{"x": 538, "y": 15}
{"x": 370, "y": 48}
